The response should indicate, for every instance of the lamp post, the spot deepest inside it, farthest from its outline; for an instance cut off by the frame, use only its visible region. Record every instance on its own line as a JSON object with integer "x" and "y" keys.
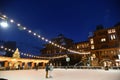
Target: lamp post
{"x": 67, "y": 60}
{"x": 4, "y": 24}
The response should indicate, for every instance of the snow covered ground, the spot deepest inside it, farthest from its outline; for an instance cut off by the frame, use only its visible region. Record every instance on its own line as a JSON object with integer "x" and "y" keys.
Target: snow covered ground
{"x": 62, "y": 74}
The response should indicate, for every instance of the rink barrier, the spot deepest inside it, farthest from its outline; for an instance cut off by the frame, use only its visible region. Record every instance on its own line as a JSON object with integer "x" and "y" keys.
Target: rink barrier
{"x": 87, "y": 67}
{"x": 64, "y": 67}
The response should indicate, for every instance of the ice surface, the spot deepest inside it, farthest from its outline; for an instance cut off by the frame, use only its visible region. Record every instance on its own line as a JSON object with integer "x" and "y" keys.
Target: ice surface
{"x": 62, "y": 74}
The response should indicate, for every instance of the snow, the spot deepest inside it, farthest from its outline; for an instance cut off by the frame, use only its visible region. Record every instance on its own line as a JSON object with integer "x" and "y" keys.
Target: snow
{"x": 62, "y": 74}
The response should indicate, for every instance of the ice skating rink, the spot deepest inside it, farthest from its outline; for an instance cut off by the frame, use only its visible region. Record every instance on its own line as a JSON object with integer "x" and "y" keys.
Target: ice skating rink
{"x": 62, "y": 74}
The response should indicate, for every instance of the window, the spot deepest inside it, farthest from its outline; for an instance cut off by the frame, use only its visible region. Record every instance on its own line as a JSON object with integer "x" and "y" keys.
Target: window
{"x": 112, "y": 37}
{"x": 92, "y": 47}
{"x": 91, "y": 41}
{"x": 111, "y": 31}
{"x": 103, "y": 39}
{"x": 77, "y": 47}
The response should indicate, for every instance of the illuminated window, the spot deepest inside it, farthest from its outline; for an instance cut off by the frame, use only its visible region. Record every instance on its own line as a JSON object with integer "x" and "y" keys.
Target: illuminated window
{"x": 77, "y": 47}
{"x": 112, "y": 37}
{"x": 111, "y": 31}
{"x": 103, "y": 40}
{"x": 91, "y": 41}
{"x": 92, "y": 47}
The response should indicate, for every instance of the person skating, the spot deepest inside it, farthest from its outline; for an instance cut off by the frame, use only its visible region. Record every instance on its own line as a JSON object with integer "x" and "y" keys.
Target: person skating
{"x": 51, "y": 69}
{"x": 47, "y": 68}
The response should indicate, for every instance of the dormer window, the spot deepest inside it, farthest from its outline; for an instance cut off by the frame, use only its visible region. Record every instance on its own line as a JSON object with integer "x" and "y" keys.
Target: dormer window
{"x": 92, "y": 41}
{"x": 111, "y": 31}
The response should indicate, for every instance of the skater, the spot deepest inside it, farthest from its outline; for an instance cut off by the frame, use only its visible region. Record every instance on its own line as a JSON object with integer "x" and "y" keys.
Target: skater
{"x": 46, "y": 69}
{"x": 51, "y": 69}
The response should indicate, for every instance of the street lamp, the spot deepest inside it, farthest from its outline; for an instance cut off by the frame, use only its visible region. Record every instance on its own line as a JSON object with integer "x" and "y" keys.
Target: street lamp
{"x": 4, "y": 24}
{"x": 67, "y": 60}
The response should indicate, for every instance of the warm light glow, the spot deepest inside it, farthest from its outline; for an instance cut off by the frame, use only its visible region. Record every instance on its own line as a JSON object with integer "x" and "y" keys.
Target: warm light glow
{"x": 4, "y": 16}
{"x": 9, "y": 49}
{"x": 52, "y": 43}
{"x": 118, "y": 60}
{"x": 92, "y": 47}
{"x": 91, "y": 41}
{"x": 55, "y": 44}
{"x": 49, "y": 41}
{"x": 103, "y": 39}
{"x": 5, "y": 48}
{"x": 13, "y": 59}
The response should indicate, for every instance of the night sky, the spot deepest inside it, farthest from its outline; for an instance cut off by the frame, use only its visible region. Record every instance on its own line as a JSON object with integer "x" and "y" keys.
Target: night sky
{"x": 73, "y": 18}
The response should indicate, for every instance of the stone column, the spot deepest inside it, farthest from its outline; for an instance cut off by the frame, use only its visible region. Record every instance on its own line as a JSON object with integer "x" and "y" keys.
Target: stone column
{"x": 25, "y": 65}
{"x": 43, "y": 65}
{"x": 6, "y": 64}
{"x": 33, "y": 65}
{"x": 21, "y": 65}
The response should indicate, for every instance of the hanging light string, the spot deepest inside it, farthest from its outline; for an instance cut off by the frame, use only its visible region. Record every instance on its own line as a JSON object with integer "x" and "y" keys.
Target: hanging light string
{"x": 37, "y": 35}
{"x": 21, "y": 53}
{"x": 31, "y": 56}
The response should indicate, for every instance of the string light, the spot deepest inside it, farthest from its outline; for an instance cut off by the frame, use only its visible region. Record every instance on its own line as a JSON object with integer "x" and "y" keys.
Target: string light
{"x": 12, "y": 50}
{"x": 46, "y": 40}
{"x": 4, "y": 16}
{"x": 24, "y": 28}
{"x": 34, "y": 34}
{"x": 29, "y": 55}
{"x": 7, "y": 49}
{"x": 38, "y": 36}
{"x": 11, "y": 21}
{"x": 18, "y": 25}
{"x": 2, "y": 47}
{"x": 42, "y": 38}
{"x": 29, "y": 31}
{"x": 49, "y": 41}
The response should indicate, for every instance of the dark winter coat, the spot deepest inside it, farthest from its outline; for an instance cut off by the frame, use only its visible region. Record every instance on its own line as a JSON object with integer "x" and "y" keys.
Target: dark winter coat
{"x": 47, "y": 68}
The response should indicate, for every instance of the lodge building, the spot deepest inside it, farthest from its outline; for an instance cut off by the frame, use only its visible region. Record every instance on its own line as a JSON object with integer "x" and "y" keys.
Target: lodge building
{"x": 104, "y": 46}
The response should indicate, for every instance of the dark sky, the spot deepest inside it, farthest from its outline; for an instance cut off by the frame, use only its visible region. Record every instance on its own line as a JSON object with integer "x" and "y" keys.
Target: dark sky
{"x": 73, "y": 18}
